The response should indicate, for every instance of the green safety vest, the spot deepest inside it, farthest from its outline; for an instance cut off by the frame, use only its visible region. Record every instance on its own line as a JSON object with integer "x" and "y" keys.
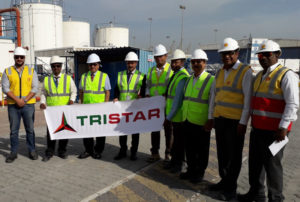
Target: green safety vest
{"x": 129, "y": 91}
{"x": 158, "y": 85}
{"x": 195, "y": 102}
{"x": 93, "y": 91}
{"x": 59, "y": 95}
{"x": 181, "y": 74}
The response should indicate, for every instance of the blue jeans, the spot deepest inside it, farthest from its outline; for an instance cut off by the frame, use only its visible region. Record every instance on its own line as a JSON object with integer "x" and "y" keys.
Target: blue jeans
{"x": 15, "y": 114}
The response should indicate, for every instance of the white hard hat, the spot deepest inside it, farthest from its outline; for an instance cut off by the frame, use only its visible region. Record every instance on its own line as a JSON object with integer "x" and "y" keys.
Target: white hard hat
{"x": 160, "y": 50}
{"x": 20, "y": 51}
{"x": 93, "y": 58}
{"x": 199, "y": 54}
{"x": 178, "y": 54}
{"x": 56, "y": 59}
{"x": 131, "y": 56}
{"x": 229, "y": 44}
{"x": 268, "y": 46}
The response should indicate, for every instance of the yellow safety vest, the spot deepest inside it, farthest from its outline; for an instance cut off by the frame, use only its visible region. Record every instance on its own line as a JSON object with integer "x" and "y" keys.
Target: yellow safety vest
{"x": 158, "y": 84}
{"x": 20, "y": 87}
{"x": 181, "y": 74}
{"x": 195, "y": 102}
{"x": 229, "y": 99}
{"x": 93, "y": 91}
{"x": 59, "y": 95}
{"x": 129, "y": 91}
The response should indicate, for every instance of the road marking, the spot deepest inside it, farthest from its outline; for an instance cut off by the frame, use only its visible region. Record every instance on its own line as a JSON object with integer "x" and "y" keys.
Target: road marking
{"x": 125, "y": 194}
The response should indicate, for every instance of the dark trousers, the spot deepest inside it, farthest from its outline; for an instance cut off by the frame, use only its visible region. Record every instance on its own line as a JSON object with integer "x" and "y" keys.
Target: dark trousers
{"x": 62, "y": 145}
{"x": 177, "y": 150}
{"x": 262, "y": 163}
{"x": 89, "y": 145}
{"x": 155, "y": 140}
{"x": 229, "y": 150}
{"x": 134, "y": 143}
{"x": 197, "y": 142}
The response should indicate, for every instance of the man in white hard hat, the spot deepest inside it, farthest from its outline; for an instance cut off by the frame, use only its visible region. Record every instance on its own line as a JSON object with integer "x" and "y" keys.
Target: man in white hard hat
{"x": 58, "y": 89}
{"x": 275, "y": 101}
{"x": 174, "y": 98}
{"x": 195, "y": 117}
{"x": 229, "y": 107}
{"x": 20, "y": 84}
{"x": 157, "y": 81}
{"x": 131, "y": 85}
{"x": 88, "y": 83}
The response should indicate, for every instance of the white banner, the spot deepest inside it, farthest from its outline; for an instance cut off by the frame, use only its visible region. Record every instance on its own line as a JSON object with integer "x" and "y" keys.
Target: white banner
{"x": 106, "y": 119}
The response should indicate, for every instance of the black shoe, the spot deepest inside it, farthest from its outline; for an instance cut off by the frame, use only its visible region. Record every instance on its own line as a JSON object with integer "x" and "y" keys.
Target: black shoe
{"x": 185, "y": 176}
{"x": 97, "y": 156}
{"x": 196, "y": 179}
{"x": 84, "y": 155}
{"x": 33, "y": 155}
{"x": 216, "y": 187}
{"x": 249, "y": 197}
{"x": 175, "y": 169}
{"x": 120, "y": 156}
{"x": 11, "y": 157}
{"x": 133, "y": 157}
{"x": 46, "y": 158}
{"x": 227, "y": 195}
{"x": 63, "y": 155}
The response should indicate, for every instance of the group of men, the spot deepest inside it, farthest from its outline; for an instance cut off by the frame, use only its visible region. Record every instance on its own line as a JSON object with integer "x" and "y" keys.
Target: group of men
{"x": 195, "y": 104}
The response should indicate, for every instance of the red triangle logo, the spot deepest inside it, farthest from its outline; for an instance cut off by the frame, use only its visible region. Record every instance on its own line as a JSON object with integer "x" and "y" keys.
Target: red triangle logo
{"x": 64, "y": 125}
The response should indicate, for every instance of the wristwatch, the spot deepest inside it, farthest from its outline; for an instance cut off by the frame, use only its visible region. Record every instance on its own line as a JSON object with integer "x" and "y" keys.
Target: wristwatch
{"x": 25, "y": 100}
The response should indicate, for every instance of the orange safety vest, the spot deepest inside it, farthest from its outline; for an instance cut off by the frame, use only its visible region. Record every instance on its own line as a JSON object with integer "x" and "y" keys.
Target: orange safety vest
{"x": 267, "y": 100}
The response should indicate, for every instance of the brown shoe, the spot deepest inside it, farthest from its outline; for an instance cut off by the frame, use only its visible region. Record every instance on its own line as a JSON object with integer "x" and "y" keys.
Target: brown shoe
{"x": 153, "y": 158}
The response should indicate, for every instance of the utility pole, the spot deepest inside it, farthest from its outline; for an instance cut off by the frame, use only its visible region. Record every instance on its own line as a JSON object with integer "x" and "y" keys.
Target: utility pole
{"x": 150, "y": 37}
{"x": 216, "y": 30}
{"x": 182, "y": 8}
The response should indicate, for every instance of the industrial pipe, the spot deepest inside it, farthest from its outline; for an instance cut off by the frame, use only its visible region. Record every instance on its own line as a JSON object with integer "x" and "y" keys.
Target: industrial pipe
{"x": 18, "y": 21}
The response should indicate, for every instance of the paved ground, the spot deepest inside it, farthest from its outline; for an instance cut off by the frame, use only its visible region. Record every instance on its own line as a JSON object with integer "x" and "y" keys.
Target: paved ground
{"x": 109, "y": 180}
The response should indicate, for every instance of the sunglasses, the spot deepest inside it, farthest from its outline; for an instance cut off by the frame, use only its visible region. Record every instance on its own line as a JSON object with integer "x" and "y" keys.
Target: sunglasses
{"x": 55, "y": 66}
{"x": 93, "y": 64}
{"x": 196, "y": 61}
{"x": 228, "y": 53}
{"x": 19, "y": 57}
{"x": 264, "y": 54}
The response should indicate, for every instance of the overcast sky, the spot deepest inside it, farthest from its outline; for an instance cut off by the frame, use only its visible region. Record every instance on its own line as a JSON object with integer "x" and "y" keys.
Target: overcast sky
{"x": 234, "y": 18}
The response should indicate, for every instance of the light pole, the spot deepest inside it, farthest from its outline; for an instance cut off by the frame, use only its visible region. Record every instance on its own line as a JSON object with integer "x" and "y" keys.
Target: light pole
{"x": 182, "y": 8}
{"x": 150, "y": 42}
{"x": 216, "y": 30}
{"x": 133, "y": 38}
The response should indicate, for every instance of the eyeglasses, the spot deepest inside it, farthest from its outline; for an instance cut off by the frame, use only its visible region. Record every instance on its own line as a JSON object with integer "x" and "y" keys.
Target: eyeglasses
{"x": 228, "y": 53}
{"x": 93, "y": 64}
{"x": 19, "y": 56}
{"x": 55, "y": 66}
{"x": 264, "y": 54}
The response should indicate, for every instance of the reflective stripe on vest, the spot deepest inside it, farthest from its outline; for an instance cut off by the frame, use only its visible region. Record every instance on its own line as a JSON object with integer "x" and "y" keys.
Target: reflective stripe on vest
{"x": 93, "y": 91}
{"x": 59, "y": 95}
{"x": 158, "y": 85}
{"x": 20, "y": 87}
{"x": 229, "y": 99}
{"x": 267, "y": 101}
{"x": 195, "y": 103}
{"x": 132, "y": 89}
{"x": 182, "y": 74}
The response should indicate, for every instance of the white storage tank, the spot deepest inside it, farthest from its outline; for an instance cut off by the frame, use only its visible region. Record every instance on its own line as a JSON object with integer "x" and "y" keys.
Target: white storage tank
{"x": 41, "y": 27}
{"x": 7, "y": 57}
{"x": 112, "y": 36}
{"x": 76, "y": 33}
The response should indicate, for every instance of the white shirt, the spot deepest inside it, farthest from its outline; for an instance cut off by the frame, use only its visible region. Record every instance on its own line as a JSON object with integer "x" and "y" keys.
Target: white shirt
{"x": 195, "y": 78}
{"x": 73, "y": 91}
{"x": 290, "y": 89}
{"x": 247, "y": 91}
{"x": 158, "y": 72}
